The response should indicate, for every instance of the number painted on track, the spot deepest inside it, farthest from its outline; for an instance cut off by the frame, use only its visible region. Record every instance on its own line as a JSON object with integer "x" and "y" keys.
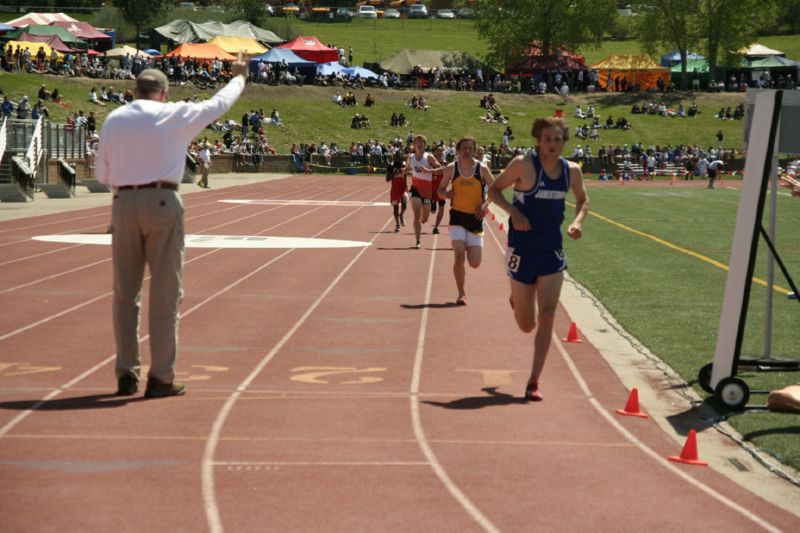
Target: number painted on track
{"x": 314, "y": 374}
{"x": 8, "y": 370}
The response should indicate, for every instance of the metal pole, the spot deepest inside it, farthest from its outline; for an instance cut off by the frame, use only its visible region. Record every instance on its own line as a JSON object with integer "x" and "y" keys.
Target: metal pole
{"x": 773, "y": 209}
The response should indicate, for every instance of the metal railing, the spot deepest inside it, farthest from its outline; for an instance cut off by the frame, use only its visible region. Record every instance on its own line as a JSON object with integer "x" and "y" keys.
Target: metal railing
{"x": 66, "y": 174}
{"x": 23, "y": 176}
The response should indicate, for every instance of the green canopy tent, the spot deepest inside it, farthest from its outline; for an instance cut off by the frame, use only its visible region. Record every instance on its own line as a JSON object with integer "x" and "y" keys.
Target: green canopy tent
{"x": 696, "y": 68}
{"x": 47, "y": 31}
{"x": 185, "y": 31}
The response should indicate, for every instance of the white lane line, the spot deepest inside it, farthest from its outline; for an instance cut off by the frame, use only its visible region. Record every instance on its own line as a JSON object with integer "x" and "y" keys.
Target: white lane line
{"x": 322, "y": 463}
{"x": 25, "y": 414}
{"x": 641, "y": 445}
{"x": 416, "y": 421}
{"x": 652, "y": 453}
{"x": 76, "y": 269}
{"x": 209, "y": 490}
{"x": 91, "y": 301}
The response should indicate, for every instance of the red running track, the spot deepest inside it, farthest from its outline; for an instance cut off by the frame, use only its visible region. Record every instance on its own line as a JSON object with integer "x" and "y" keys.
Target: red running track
{"x": 328, "y": 390}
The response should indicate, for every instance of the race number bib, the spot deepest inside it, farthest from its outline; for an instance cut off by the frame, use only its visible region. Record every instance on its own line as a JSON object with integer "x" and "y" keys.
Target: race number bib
{"x": 512, "y": 261}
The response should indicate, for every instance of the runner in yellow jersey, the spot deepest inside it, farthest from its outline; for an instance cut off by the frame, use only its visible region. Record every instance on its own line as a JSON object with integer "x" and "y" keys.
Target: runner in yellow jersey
{"x": 468, "y": 180}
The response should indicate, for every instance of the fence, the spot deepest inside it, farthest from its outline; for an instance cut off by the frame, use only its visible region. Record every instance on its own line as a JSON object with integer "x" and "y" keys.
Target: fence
{"x": 56, "y": 141}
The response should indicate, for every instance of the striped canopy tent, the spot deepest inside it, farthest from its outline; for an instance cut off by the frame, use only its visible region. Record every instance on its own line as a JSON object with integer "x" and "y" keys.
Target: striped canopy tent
{"x": 40, "y": 18}
{"x": 82, "y": 30}
{"x": 32, "y": 46}
{"x": 638, "y": 70}
{"x": 233, "y": 45}
{"x": 201, "y": 51}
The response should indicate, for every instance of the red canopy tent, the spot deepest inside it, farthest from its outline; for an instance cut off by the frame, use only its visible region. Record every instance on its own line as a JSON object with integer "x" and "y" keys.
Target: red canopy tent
{"x": 82, "y": 30}
{"x": 311, "y": 49}
{"x": 39, "y": 18}
{"x": 536, "y": 62}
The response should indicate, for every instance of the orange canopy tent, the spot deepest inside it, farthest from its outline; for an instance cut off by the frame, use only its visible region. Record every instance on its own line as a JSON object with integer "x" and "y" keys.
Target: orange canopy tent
{"x": 201, "y": 51}
{"x": 638, "y": 70}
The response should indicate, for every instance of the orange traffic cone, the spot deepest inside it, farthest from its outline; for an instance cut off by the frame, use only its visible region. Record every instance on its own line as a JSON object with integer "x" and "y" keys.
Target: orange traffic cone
{"x": 689, "y": 452}
{"x": 572, "y": 336}
{"x": 632, "y": 407}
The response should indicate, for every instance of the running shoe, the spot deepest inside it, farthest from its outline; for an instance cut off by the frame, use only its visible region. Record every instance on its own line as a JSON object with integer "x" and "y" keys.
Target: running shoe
{"x": 435, "y": 230}
{"x": 532, "y": 392}
{"x": 418, "y": 245}
{"x": 397, "y": 228}
{"x": 462, "y": 299}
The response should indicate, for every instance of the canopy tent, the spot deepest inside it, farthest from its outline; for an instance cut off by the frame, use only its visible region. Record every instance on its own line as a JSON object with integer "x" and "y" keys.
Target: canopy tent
{"x": 185, "y": 31}
{"x": 82, "y": 30}
{"x": 153, "y": 52}
{"x": 759, "y": 50}
{"x": 53, "y": 41}
{"x": 124, "y": 50}
{"x": 203, "y": 51}
{"x": 670, "y": 58}
{"x": 30, "y": 45}
{"x": 233, "y": 45}
{"x": 770, "y": 62}
{"x": 309, "y": 47}
{"x": 332, "y": 67}
{"x": 699, "y": 64}
{"x": 404, "y": 61}
{"x": 359, "y": 71}
{"x": 637, "y": 70}
{"x": 535, "y": 64}
{"x": 39, "y": 18}
{"x": 281, "y": 55}
{"x": 5, "y": 27}
{"x": 43, "y": 30}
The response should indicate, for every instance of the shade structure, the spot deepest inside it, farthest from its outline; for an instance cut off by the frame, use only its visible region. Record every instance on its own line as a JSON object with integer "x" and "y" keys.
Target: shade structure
{"x": 30, "y": 45}
{"x": 638, "y": 70}
{"x": 185, "y": 31}
{"x": 153, "y": 52}
{"x": 53, "y": 41}
{"x": 759, "y": 50}
{"x": 280, "y": 55}
{"x": 359, "y": 71}
{"x": 310, "y": 48}
{"x": 5, "y": 27}
{"x": 332, "y": 67}
{"x": 233, "y": 45}
{"x": 44, "y": 30}
{"x": 405, "y": 59}
{"x": 82, "y": 30}
{"x": 202, "y": 51}
{"x": 124, "y": 50}
{"x": 699, "y": 64}
{"x": 671, "y": 58}
{"x": 535, "y": 64}
{"x": 773, "y": 62}
{"x": 39, "y": 18}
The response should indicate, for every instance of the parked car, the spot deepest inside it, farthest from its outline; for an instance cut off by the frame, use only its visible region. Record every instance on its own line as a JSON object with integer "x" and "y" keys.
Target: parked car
{"x": 269, "y": 10}
{"x": 187, "y": 5}
{"x": 417, "y": 11}
{"x": 391, "y": 14}
{"x": 466, "y": 13}
{"x": 344, "y": 13}
{"x": 446, "y": 14}
{"x": 367, "y": 12}
{"x": 290, "y": 9}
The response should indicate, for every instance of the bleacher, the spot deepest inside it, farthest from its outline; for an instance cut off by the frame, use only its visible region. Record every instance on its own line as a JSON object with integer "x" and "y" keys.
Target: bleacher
{"x": 638, "y": 171}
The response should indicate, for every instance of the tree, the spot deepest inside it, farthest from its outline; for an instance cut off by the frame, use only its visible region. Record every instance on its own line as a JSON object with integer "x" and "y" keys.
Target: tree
{"x": 510, "y": 27}
{"x": 672, "y": 23}
{"x": 140, "y": 14}
{"x": 730, "y": 25}
{"x": 252, "y": 10}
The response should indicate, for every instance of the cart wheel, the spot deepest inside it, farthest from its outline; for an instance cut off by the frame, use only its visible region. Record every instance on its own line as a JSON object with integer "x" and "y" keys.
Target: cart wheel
{"x": 733, "y": 393}
{"x": 704, "y": 378}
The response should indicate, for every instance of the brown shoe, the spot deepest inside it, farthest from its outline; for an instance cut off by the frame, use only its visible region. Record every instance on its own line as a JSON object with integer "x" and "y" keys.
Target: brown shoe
{"x": 158, "y": 389}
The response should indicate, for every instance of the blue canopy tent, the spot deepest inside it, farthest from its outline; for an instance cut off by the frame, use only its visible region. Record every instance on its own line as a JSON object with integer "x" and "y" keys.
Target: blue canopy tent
{"x": 673, "y": 58}
{"x": 6, "y": 27}
{"x": 359, "y": 71}
{"x": 332, "y": 67}
{"x": 308, "y": 69}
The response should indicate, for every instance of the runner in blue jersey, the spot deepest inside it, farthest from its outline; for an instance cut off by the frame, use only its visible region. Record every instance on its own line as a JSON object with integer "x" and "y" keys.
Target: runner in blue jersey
{"x": 535, "y": 260}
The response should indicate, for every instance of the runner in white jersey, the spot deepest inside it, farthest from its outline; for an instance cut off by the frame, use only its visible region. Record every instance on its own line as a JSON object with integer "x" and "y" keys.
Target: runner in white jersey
{"x": 421, "y": 164}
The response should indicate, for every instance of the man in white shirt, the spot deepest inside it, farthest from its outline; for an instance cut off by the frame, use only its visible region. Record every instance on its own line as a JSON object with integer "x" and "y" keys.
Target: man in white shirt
{"x": 142, "y": 155}
{"x": 204, "y": 157}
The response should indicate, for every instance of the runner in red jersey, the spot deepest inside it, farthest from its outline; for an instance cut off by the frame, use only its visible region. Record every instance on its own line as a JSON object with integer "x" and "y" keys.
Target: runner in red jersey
{"x": 421, "y": 164}
{"x": 437, "y": 205}
{"x": 398, "y": 194}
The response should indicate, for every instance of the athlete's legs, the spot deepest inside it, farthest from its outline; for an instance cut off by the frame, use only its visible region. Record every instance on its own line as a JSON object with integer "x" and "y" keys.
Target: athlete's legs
{"x": 524, "y": 304}
{"x": 460, "y": 253}
{"x": 426, "y": 212}
{"x": 548, "y": 290}
{"x": 396, "y": 214}
{"x": 474, "y": 256}
{"x": 439, "y": 215}
{"x": 403, "y": 206}
{"x": 416, "y": 206}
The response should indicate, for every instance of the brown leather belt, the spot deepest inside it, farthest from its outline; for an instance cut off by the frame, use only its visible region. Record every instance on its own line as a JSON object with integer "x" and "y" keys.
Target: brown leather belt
{"x": 154, "y": 185}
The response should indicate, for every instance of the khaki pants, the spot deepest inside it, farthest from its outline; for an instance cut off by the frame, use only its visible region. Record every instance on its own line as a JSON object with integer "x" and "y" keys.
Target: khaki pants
{"x": 204, "y": 179}
{"x": 147, "y": 230}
